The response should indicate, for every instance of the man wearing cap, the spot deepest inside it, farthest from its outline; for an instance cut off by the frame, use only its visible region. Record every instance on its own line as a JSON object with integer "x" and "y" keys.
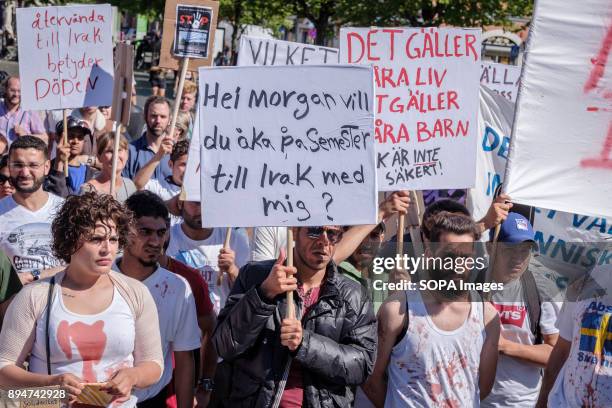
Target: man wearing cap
{"x": 78, "y": 172}
{"x": 527, "y": 314}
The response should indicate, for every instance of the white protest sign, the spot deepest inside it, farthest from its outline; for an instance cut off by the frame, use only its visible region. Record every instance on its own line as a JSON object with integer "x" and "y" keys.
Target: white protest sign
{"x": 495, "y": 125}
{"x": 561, "y": 153}
{"x": 501, "y": 78}
{"x": 65, "y": 56}
{"x": 263, "y": 51}
{"x": 287, "y": 146}
{"x": 426, "y": 103}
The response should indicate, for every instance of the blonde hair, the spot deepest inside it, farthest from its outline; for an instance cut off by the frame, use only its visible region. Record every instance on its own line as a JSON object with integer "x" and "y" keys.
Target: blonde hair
{"x": 182, "y": 121}
{"x": 107, "y": 139}
{"x": 190, "y": 87}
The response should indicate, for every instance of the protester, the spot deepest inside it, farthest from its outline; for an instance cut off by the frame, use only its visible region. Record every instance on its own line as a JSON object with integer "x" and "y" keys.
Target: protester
{"x": 206, "y": 361}
{"x": 78, "y": 172}
{"x": 25, "y": 217}
{"x": 96, "y": 123}
{"x": 101, "y": 326}
{"x": 268, "y": 241}
{"x": 202, "y": 249}
{"x": 579, "y": 370}
{"x": 169, "y": 186}
{"x": 527, "y": 315}
{"x": 187, "y": 106}
{"x": 102, "y": 182}
{"x": 183, "y": 126}
{"x": 6, "y": 188}
{"x": 357, "y": 265}
{"x": 14, "y": 121}
{"x": 437, "y": 347}
{"x": 172, "y": 295}
{"x": 143, "y": 149}
{"x": 323, "y": 353}
{"x": 10, "y": 284}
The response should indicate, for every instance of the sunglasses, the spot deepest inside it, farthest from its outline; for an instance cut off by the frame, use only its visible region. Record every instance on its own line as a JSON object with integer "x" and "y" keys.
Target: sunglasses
{"x": 333, "y": 235}
{"x": 3, "y": 178}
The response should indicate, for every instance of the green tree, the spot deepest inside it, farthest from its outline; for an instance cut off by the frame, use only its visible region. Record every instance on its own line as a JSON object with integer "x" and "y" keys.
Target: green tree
{"x": 325, "y": 14}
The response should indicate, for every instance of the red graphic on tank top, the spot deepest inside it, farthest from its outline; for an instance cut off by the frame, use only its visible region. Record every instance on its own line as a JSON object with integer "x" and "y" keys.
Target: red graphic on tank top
{"x": 593, "y": 84}
{"x": 451, "y": 373}
{"x": 90, "y": 341}
{"x": 511, "y": 314}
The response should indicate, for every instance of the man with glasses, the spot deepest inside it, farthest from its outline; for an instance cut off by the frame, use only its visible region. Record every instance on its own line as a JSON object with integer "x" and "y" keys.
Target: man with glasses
{"x": 315, "y": 359}
{"x": 25, "y": 217}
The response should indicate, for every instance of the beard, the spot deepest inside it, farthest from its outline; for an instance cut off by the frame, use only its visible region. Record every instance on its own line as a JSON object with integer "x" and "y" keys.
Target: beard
{"x": 443, "y": 275}
{"x": 147, "y": 264}
{"x": 157, "y": 132}
{"x": 36, "y": 184}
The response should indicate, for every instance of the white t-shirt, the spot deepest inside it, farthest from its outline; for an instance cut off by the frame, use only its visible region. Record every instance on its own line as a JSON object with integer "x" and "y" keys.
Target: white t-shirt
{"x": 166, "y": 190}
{"x": 25, "y": 236}
{"x": 517, "y": 382}
{"x": 586, "y": 376}
{"x": 178, "y": 323}
{"x": 267, "y": 242}
{"x": 92, "y": 347}
{"x": 203, "y": 255}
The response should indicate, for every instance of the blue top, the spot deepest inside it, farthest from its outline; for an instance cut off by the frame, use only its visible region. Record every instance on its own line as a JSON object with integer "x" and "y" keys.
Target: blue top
{"x": 76, "y": 176}
{"x": 141, "y": 154}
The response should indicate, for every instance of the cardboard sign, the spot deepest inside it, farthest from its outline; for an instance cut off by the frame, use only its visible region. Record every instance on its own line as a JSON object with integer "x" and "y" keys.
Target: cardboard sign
{"x": 191, "y": 41}
{"x": 501, "y": 78}
{"x": 192, "y": 35}
{"x": 264, "y": 51}
{"x": 66, "y": 56}
{"x": 122, "y": 91}
{"x": 287, "y": 146}
{"x": 561, "y": 151}
{"x": 426, "y": 103}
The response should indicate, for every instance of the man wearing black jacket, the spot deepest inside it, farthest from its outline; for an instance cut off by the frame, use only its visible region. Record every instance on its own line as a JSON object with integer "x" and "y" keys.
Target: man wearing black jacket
{"x": 316, "y": 360}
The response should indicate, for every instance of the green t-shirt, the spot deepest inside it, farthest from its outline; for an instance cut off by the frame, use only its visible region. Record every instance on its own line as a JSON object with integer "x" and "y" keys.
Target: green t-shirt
{"x": 9, "y": 281}
{"x": 377, "y": 296}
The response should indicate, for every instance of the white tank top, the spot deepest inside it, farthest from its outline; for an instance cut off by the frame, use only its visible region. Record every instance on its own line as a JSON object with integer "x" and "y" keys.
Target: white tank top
{"x": 92, "y": 347}
{"x": 431, "y": 367}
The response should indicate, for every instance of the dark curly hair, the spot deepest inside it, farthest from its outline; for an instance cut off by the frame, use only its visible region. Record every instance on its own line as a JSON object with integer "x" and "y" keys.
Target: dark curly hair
{"x": 77, "y": 218}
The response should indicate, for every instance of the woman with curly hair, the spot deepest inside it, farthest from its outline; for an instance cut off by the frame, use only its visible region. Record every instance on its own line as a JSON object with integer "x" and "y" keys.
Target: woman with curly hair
{"x": 88, "y": 324}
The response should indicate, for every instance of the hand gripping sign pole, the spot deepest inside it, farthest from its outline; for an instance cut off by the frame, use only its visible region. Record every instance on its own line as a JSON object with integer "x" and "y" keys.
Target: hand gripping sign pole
{"x": 122, "y": 99}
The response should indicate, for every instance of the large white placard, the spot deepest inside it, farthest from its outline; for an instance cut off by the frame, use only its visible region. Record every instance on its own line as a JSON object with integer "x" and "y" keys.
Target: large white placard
{"x": 287, "y": 146}
{"x": 561, "y": 153}
{"x": 426, "y": 102}
{"x": 264, "y": 51}
{"x": 65, "y": 56}
{"x": 502, "y": 78}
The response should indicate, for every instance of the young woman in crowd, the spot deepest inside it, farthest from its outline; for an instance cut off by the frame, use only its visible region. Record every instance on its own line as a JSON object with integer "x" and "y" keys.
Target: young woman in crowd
{"x": 87, "y": 324}
{"x": 102, "y": 182}
{"x": 6, "y": 188}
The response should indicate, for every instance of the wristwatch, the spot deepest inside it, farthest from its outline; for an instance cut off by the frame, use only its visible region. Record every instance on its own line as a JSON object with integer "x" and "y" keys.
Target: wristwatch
{"x": 36, "y": 274}
{"x": 206, "y": 384}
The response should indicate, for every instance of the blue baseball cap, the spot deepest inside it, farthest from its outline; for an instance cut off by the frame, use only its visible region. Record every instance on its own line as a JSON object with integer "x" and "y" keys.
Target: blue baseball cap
{"x": 516, "y": 229}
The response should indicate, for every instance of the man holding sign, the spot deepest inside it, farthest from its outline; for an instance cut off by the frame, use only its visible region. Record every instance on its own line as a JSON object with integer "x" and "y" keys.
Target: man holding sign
{"x": 322, "y": 356}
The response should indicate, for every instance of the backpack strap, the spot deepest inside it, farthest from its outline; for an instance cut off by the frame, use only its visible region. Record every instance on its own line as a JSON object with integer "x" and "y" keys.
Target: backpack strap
{"x": 533, "y": 303}
{"x": 47, "y": 344}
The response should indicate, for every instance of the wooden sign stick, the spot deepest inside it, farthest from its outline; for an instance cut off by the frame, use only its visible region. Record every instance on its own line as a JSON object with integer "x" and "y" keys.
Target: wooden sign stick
{"x": 65, "y": 138}
{"x": 290, "y": 305}
{"x": 179, "y": 94}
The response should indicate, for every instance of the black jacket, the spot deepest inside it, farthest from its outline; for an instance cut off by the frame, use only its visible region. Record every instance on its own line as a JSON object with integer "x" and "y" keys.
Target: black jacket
{"x": 56, "y": 182}
{"x": 336, "y": 354}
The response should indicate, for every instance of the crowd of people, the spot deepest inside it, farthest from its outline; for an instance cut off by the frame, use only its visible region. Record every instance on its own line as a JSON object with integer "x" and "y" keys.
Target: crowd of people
{"x": 130, "y": 290}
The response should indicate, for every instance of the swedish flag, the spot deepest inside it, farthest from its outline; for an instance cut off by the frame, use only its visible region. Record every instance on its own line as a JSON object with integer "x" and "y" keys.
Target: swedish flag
{"x": 596, "y": 334}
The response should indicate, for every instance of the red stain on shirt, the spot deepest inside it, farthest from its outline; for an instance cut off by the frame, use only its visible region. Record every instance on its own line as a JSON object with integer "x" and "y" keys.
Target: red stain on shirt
{"x": 90, "y": 341}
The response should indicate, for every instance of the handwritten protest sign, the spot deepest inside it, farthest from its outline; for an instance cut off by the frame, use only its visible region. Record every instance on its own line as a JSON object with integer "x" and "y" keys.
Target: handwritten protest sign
{"x": 287, "y": 146}
{"x": 188, "y": 31}
{"x": 561, "y": 152}
{"x": 501, "y": 78}
{"x": 263, "y": 51}
{"x": 426, "y": 103}
{"x": 66, "y": 56}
